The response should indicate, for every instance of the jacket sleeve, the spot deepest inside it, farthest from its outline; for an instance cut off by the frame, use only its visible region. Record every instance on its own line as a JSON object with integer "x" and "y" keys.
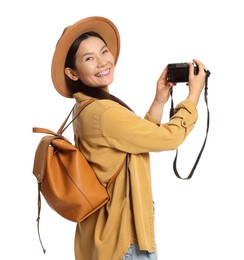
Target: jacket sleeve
{"x": 125, "y": 131}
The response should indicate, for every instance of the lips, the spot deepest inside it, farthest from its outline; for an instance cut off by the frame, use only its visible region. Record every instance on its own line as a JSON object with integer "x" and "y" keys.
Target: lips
{"x": 103, "y": 73}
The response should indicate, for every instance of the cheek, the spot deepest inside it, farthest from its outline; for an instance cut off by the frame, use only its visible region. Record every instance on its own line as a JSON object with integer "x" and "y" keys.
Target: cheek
{"x": 84, "y": 73}
{"x": 87, "y": 77}
{"x": 112, "y": 61}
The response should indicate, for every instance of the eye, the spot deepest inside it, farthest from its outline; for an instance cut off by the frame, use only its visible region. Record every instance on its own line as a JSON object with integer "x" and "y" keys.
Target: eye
{"x": 105, "y": 51}
{"x": 89, "y": 58}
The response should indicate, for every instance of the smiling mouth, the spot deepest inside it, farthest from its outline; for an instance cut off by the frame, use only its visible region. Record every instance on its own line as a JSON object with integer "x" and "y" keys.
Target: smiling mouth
{"x": 103, "y": 73}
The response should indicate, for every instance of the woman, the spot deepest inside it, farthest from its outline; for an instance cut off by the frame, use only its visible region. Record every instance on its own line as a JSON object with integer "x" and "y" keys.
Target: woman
{"x": 107, "y": 130}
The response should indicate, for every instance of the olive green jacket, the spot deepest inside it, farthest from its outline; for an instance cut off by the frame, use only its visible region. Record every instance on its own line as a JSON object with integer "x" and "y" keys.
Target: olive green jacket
{"x": 105, "y": 132}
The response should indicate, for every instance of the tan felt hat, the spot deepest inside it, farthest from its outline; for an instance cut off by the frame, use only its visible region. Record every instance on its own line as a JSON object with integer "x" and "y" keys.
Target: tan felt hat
{"x": 100, "y": 25}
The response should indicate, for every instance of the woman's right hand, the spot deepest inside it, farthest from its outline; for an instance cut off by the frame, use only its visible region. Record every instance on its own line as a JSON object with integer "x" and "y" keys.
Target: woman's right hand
{"x": 196, "y": 82}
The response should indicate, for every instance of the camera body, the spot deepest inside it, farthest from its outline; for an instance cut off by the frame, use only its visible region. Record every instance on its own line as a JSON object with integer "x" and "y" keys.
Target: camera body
{"x": 179, "y": 72}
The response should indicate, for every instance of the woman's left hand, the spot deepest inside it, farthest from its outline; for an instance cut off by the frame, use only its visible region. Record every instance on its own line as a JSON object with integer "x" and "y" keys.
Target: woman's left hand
{"x": 161, "y": 96}
{"x": 163, "y": 87}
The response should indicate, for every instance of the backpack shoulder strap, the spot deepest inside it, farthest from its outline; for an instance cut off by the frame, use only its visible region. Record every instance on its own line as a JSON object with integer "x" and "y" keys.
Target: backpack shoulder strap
{"x": 63, "y": 127}
{"x": 126, "y": 162}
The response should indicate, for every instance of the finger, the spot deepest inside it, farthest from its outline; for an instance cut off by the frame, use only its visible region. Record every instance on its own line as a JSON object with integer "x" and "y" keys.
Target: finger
{"x": 191, "y": 68}
{"x": 200, "y": 65}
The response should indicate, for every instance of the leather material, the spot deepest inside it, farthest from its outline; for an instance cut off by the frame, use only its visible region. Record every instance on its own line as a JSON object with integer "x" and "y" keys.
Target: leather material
{"x": 65, "y": 178}
{"x": 68, "y": 183}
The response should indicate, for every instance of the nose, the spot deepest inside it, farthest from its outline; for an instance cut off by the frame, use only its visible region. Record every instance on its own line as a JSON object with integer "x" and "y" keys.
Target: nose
{"x": 101, "y": 61}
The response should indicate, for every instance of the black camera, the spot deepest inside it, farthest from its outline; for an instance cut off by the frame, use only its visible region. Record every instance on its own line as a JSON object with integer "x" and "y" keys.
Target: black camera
{"x": 179, "y": 72}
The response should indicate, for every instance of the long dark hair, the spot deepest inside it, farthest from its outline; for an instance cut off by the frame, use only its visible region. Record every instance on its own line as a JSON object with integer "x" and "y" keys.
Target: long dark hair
{"x": 78, "y": 86}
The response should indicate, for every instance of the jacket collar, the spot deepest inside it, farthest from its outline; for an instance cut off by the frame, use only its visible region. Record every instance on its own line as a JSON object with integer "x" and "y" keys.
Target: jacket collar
{"x": 79, "y": 97}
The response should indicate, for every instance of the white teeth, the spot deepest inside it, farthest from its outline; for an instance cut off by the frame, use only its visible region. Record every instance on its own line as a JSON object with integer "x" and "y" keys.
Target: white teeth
{"x": 103, "y": 73}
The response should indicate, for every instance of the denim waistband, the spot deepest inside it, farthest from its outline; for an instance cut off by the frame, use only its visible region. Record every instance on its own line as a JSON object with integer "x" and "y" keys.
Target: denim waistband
{"x": 134, "y": 253}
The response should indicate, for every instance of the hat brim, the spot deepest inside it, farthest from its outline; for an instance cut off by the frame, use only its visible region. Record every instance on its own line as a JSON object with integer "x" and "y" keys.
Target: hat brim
{"x": 100, "y": 25}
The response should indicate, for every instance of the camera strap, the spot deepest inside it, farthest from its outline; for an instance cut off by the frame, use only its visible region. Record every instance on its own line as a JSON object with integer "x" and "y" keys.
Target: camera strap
{"x": 205, "y": 140}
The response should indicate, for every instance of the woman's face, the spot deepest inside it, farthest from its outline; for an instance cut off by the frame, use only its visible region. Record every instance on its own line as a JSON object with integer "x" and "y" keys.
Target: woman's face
{"x": 94, "y": 64}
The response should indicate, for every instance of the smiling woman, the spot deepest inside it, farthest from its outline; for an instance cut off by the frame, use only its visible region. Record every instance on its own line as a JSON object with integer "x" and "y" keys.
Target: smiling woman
{"x": 108, "y": 130}
{"x": 92, "y": 64}
{"x": 90, "y": 59}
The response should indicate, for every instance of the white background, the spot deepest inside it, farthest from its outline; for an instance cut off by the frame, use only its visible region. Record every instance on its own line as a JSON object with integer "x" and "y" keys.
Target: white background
{"x": 197, "y": 219}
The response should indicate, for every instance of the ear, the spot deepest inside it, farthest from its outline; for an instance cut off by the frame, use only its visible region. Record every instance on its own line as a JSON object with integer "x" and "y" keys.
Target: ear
{"x": 70, "y": 73}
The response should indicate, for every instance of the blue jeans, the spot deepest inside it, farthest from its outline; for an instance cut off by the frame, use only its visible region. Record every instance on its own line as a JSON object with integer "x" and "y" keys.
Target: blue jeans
{"x": 134, "y": 253}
